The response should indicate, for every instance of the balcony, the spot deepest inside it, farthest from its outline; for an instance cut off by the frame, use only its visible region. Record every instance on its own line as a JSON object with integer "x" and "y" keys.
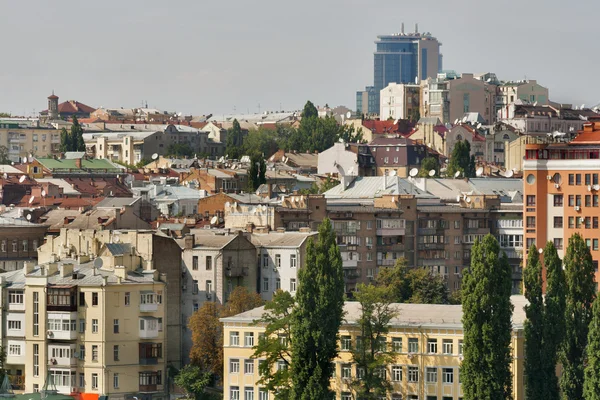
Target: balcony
{"x": 149, "y": 353}
{"x": 150, "y": 388}
{"x": 148, "y": 307}
{"x": 17, "y": 382}
{"x": 16, "y": 306}
{"x": 349, "y": 263}
{"x": 391, "y": 232}
{"x": 430, "y": 231}
{"x": 386, "y": 263}
{"x": 430, "y": 246}
{"x": 235, "y": 272}
{"x": 351, "y": 275}
{"x": 513, "y": 253}
{"x": 148, "y": 328}
{"x": 430, "y": 262}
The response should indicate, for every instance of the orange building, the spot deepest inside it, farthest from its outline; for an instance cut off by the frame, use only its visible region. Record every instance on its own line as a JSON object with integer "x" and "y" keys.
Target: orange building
{"x": 562, "y": 188}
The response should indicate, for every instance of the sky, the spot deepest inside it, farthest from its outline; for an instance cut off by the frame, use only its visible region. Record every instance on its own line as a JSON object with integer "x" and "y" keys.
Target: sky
{"x": 218, "y": 57}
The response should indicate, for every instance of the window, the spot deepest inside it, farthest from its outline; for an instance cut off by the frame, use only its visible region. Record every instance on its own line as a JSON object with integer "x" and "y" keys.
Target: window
{"x": 413, "y": 345}
{"x": 578, "y": 179}
{"x": 432, "y": 346}
{"x": 14, "y": 246}
{"x": 3, "y": 246}
{"x": 95, "y": 381}
{"x": 234, "y": 338}
{"x": 346, "y": 371}
{"x": 594, "y": 244}
{"x": 116, "y": 381}
{"x": 431, "y": 375}
{"x": 81, "y": 380}
{"x": 530, "y": 200}
{"x": 447, "y": 346}
{"x": 460, "y": 347}
{"x": 36, "y": 314}
{"x": 530, "y": 242}
{"x": 234, "y": 366}
{"x": 571, "y": 200}
{"x": 94, "y": 298}
{"x": 265, "y": 285}
{"x": 397, "y": 345}
{"x": 127, "y": 298}
{"x": 277, "y": 260}
{"x": 36, "y": 359}
{"x": 24, "y": 244}
{"x": 15, "y": 297}
{"x": 447, "y": 375}
{"x": 249, "y": 367}
{"x": 249, "y": 339}
{"x": 531, "y": 222}
{"x": 14, "y": 325}
{"x": 82, "y": 352}
{"x": 588, "y": 200}
{"x": 209, "y": 263}
{"x": 292, "y": 285}
{"x": 558, "y": 222}
{"x": 94, "y": 326}
{"x": 588, "y": 179}
{"x": 195, "y": 263}
{"x": 263, "y": 394}
{"x": 81, "y": 299}
{"x": 249, "y": 393}
{"x": 346, "y": 396}
{"x": 396, "y": 373}
{"x": 115, "y": 326}
{"x": 413, "y": 374}
{"x": 595, "y": 200}
{"x": 571, "y": 222}
{"x": 195, "y": 287}
{"x": 14, "y": 350}
{"x": 209, "y": 288}
{"x": 346, "y": 343}
{"x": 293, "y": 260}
{"x": 94, "y": 353}
{"x": 234, "y": 393}
{"x": 558, "y": 243}
{"x": 278, "y": 284}
{"x": 116, "y": 352}
{"x": 595, "y": 222}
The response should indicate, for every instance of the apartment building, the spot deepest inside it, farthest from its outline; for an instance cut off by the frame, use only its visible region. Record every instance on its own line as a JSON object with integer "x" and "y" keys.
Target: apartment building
{"x": 19, "y": 241}
{"x": 89, "y": 329}
{"x": 280, "y": 256}
{"x": 561, "y": 188}
{"x": 154, "y": 250}
{"x": 399, "y": 101}
{"x": 526, "y": 90}
{"x": 24, "y": 140}
{"x": 427, "y": 342}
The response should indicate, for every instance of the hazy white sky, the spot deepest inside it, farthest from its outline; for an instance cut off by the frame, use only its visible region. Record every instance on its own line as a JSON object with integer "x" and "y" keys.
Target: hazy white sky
{"x": 206, "y": 56}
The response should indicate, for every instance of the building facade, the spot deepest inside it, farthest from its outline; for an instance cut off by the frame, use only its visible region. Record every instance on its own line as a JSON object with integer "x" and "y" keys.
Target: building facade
{"x": 19, "y": 242}
{"x": 426, "y": 343}
{"x": 399, "y": 101}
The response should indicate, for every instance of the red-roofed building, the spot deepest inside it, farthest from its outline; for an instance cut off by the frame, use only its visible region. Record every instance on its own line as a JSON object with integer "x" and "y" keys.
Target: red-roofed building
{"x": 466, "y": 132}
{"x": 372, "y": 129}
{"x": 67, "y": 109}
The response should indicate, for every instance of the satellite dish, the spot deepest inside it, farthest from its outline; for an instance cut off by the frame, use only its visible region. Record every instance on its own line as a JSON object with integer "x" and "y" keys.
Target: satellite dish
{"x": 540, "y": 250}
{"x": 393, "y": 173}
{"x": 31, "y": 199}
{"x": 468, "y": 199}
{"x": 227, "y": 204}
{"x": 154, "y": 156}
{"x": 214, "y": 220}
{"x": 43, "y": 193}
{"x": 349, "y": 114}
{"x": 432, "y": 172}
{"x": 458, "y": 198}
{"x": 235, "y": 204}
{"x": 28, "y": 217}
{"x": 509, "y": 174}
{"x": 22, "y": 179}
{"x": 479, "y": 171}
{"x": 98, "y": 262}
{"x": 5, "y": 175}
{"x": 457, "y": 174}
{"x": 413, "y": 172}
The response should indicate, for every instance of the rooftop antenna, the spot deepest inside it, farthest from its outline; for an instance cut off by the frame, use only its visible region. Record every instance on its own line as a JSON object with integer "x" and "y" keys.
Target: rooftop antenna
{"x": 416, "y": 28}
{"x": 402, "y": 28}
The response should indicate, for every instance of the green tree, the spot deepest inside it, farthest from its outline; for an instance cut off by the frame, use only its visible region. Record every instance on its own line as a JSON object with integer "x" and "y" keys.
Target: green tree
{"x": 554, "y": 319}
{"x": 240, "y": 300}
{"x": 233, "y": 144}
{"x": 65, "y": 141}
{"x": 316, "y": 188}
{"x": 535, "y": 381}
{"x": 487, "y": 314}
{"x": 428, "y": 164}
{"x": 591, "y": 385}
{"x": 262, "y": 141}
{"x": 309, "y": 111}
{"x": 413, "y": 285}
{"x": 257, "y": 172}
{"x": 207, "y": 338}
{"x": 193, "y": 380}
{"x": 5, "y": 115}
{"x": 77, "y": 142}
{"x": 275, "y": 346}
{"x": 317, "y": 317}
{"x": 461, "y": 160}
{"x": 579, "y": 276}
{"x": 372, "y": 353}
{"x": 351, "y": 135}
{"x": 4, "y": 155}
{"x": 179, "y": 150}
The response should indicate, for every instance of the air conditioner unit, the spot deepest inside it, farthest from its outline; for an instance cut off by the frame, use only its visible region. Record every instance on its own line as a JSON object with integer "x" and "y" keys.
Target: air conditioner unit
{"x": 589, "y": 188}
{"x": 582, "y": 219}
{"x": 596, "y": 187}
{"x": 50, "y": 334}
{"x": 557, "y": 186}
{"x": 53, "y": 361}
{"x": 577, "y": 208}
{"x": 549, "y": 177}
{"x": 461, "y": 357}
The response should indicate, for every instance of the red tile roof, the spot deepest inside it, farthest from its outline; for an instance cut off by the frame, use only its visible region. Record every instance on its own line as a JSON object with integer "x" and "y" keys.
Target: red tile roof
{"x": 72, "y": 107}
{"x": 587, "y": 137}
{"x": 403, "y": 127}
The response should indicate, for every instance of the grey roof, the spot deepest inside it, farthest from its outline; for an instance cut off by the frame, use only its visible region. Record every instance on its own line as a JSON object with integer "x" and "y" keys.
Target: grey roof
{"x": 177, "y": 193}
{"x": 358, "y": 208}
{"x": 248, "y": 198}
{"x": 280, "y": 239}
{"x": 117, "y": 202}
{"x": 448, "y": 189}
{"x": 205, "y": 238}
{"x": 136, "y": 135}
{"x": 409, "y": 315}
{"x": 430, "y": 121}
{"x": 73, "y": 155}
{"x": 16, "y": 222}
{"x": 87, "y": 276}
{"x": 368, "y": 187}
{"x": 66, "y": 186}
{"x": 118, "y": 249}
{"x": 172, "y": 227}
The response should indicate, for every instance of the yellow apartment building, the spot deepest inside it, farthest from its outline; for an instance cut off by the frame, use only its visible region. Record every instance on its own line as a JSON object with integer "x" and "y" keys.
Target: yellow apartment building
{"x": 428, "y": 340}
{"x": 96, "y": 331}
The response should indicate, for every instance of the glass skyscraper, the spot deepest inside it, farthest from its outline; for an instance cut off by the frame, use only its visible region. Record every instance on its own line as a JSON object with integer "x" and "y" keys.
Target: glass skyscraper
{"x": 403, "y": 58}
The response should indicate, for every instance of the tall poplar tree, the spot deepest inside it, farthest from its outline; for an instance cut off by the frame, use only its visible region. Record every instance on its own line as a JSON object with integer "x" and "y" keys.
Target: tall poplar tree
{"x": 579, "y": 275}
{"x": 317, "y": 317}
{"x": 487, "y": 313}
{"x": 77, "y": 142}
{"x": 554, "y": 319}
{"x": 535, "y": 381}
{"x": 591, "y": 385}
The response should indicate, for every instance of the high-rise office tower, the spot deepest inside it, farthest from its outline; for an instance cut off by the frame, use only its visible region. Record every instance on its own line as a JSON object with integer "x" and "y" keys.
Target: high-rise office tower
{"x": 403, "y": 58}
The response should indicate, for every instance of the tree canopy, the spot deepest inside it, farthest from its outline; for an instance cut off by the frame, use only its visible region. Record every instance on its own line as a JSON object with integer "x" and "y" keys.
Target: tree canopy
{"x": 234, "y": 141}
{"x": 428, "y": 164}
{"x": 461, "y": 160}
{"x": 535, "y": 381}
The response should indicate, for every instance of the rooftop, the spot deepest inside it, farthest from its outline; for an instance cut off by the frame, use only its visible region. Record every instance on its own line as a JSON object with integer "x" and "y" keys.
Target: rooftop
{"x": 279, "y": 239}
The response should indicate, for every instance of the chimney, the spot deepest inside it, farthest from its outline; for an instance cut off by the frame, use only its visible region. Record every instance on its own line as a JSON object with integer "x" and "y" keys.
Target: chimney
{"x": 188, "y": 241}
{"x": 28, "y": 267}
{"x": 402, "y": 30}
{"x": 65, "y": 269}
{"x": 51, "y": 269}
{"x": 78, "y": 162}
{"x": 120, "y": 273}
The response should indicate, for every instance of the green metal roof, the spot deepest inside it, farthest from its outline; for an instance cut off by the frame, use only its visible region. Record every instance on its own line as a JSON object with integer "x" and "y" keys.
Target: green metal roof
{"x": 62, "y": 164}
